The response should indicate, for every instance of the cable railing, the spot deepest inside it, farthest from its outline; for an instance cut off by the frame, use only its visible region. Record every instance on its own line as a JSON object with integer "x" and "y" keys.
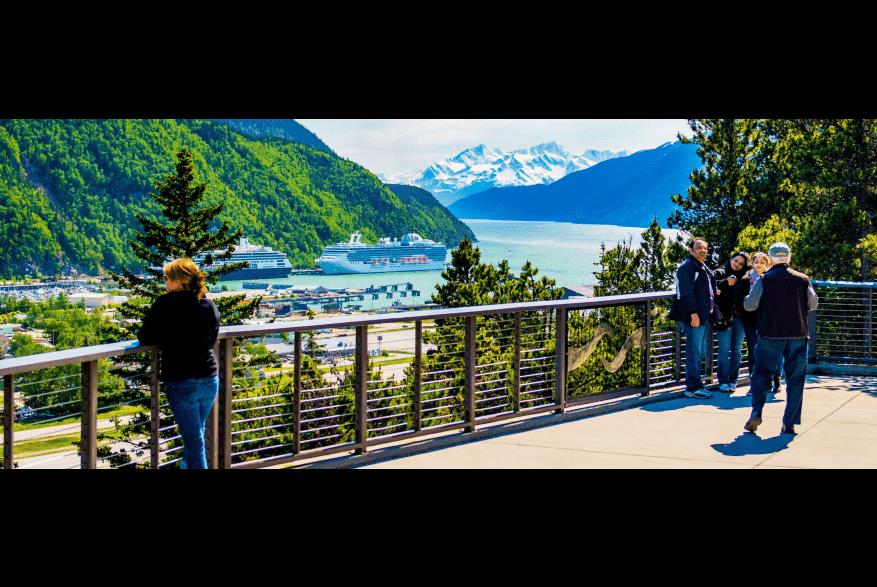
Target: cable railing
{"x": 842, "y": 328}
{"x": 347, "y": 384}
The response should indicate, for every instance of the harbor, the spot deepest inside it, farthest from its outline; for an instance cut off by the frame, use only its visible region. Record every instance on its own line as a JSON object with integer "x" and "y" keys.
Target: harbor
{"x": 283, "y": 300}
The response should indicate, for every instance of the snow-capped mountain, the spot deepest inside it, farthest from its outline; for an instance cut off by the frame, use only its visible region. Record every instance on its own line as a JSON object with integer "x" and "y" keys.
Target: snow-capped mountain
{"x": 481, "y": 168}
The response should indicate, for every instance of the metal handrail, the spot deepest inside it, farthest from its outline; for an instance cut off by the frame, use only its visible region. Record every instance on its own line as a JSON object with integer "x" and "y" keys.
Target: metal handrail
{"x": 93, "y": 353}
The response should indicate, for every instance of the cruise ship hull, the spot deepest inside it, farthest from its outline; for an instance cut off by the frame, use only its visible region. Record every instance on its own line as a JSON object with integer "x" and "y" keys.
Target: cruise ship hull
{"x": 344, "y": 267}
{"x": 256, "y": 274}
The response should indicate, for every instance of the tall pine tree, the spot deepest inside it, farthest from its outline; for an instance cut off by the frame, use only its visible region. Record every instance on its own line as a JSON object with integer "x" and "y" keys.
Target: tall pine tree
{"x": 830, "y": 167}
{"x": 720, "y": 203}
{"x": 184, "y": 233}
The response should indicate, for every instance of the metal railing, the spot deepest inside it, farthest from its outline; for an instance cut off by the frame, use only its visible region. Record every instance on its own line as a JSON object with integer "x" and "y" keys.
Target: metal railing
{"x": 444, "y": 370}
{"x": 844, "y": 330}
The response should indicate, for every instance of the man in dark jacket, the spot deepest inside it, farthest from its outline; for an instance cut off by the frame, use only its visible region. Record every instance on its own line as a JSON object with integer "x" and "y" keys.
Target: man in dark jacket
{"x": 782, "y": 297}
{"x": 694, "y": 307}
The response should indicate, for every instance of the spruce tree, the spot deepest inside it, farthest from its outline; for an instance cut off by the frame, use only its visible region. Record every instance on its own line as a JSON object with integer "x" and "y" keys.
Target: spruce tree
{"x": 830, "y": 167}
{"x": 721, "y": 199}
{"x": 185, "y": 232}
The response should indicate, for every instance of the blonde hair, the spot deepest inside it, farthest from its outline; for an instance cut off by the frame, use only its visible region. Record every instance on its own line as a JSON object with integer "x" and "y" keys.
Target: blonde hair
{"x": 758, "y": 254}
{"x": 187, "y": 273}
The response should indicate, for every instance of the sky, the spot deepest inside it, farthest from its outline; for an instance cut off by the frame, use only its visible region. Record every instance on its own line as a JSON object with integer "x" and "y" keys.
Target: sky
{"x": 395, "y": 146}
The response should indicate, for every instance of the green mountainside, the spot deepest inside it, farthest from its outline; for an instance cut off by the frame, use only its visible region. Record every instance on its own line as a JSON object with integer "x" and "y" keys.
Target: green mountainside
{"x": 69, "y": 190}
{"x": 282, "y": 128}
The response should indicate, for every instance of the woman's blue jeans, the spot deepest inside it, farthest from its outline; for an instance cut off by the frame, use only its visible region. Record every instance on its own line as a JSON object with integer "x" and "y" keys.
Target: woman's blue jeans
{"x": 191, "y": 401}
{"x": 730, "y": 352}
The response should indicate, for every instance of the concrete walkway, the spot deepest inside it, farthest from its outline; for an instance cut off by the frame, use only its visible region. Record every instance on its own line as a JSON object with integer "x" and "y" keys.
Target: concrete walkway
{"x": 838, "y": 430}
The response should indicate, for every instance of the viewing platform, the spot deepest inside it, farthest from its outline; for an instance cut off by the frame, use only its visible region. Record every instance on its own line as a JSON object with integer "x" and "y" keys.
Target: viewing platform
{"x": 580, "y": 382}
{"x": 838, "y": 430}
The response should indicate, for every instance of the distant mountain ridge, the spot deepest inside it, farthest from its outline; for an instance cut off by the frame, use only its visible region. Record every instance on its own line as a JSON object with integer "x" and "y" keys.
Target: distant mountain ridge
{"x": 625, "y": 191}
{"x": 480, "y": 168}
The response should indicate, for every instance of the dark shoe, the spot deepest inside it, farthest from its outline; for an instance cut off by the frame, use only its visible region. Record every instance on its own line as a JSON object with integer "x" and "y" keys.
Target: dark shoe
{"x": 788, "y": 429}
{"x": 752, "y": 425}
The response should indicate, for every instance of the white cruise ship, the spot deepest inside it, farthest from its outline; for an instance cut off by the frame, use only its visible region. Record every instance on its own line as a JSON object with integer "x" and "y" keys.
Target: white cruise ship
{"x": 264, "y": 262}
{"x": 412, "y": 253}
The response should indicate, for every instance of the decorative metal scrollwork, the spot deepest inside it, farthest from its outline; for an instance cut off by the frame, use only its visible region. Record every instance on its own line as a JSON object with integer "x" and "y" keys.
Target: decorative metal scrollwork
{"x": 578, "y": 356}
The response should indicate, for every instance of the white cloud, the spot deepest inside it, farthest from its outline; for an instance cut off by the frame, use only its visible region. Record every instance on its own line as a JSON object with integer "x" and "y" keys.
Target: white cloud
{"x": 408, "y": 145}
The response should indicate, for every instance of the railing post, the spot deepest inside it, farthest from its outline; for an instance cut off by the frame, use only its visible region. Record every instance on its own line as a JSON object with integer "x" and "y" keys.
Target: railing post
{"x": 226, "y": 380}
{"x": 418, "y": 366}
{"x": 811, "y": 331}
{"x": 868, "y": 325}
{"x": 647, "y": 348}
{"x": 516, "y": 383}
{"x": 677, "y": 357}
{"x": 469, "y": 389}
{"x": 361, "y": 389}
{"x": 155, "y": 411}
{"x": 211, "y": 430}
{"x": 296, "y": 395}
{"x": 88, "y": 437}
{"x": 8, "y": 421}
{"x": 560, "y": 344}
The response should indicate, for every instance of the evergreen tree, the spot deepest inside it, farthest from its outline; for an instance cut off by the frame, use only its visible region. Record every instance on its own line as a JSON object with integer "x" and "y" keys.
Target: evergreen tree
{"x": 721, "y": 199}
{"x": 660, "y": 258}
{"x": 831, "y": 172}
{"x": 185, "y": 233}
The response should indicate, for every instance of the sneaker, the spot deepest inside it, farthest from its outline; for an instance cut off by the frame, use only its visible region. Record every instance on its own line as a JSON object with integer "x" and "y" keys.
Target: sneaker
{"x": 752, "y": 425}
{"x": 788, "y": 429}
{"x": 724, "y": 388}
{"x": 703, "y": 393}
{"x": 689, "y": 393}
{"x": 732, "y": 387}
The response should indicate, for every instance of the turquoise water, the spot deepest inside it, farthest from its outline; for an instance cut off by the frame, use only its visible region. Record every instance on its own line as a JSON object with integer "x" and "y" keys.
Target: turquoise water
{"x": 563, "y": 251}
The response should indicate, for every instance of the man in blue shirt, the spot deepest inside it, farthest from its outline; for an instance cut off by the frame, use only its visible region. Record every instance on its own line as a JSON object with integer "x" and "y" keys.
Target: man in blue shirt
{"x": 694, "y": 306}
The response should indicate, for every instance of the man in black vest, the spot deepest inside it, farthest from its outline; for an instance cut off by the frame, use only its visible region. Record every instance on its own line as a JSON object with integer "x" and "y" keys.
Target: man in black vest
{"x": 782, "y": 297}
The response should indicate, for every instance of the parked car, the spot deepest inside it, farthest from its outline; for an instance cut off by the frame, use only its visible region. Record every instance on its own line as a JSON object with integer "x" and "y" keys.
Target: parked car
{"x": 26, "y": 413}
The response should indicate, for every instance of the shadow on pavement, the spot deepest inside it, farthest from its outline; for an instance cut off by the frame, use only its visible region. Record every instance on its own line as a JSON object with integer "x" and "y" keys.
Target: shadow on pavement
{"x": 752, "y": 444}
{"x": 722, "y": 401}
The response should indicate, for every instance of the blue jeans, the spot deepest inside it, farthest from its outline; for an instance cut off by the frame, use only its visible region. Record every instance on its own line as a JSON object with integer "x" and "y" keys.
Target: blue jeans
{"x": 730, "y": 352}
{"x": 695, "y": 350}
{"x": 191, "y": 401}
{"x": 769, "y": 352}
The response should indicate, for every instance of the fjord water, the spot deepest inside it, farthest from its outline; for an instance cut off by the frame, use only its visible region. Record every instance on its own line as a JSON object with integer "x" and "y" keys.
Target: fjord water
{"x": 562, "y": 251}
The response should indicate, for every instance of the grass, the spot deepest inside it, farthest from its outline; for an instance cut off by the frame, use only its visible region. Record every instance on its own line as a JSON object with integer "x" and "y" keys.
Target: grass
{"x": 53, "y": 444}
{"x": 392, "y": 362}
{"x": 44, "y": 446}
{"x": 122, "y": 411}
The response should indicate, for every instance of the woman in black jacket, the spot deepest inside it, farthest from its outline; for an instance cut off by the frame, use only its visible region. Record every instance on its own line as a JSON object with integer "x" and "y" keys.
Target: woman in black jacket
{"x": 728, "y": 328}
{"x": 184, "y": 325}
